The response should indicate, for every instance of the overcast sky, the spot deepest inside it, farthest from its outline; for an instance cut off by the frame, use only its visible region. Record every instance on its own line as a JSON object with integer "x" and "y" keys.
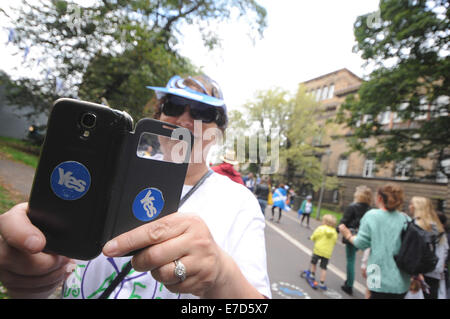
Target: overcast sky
{"x": 304, "y": 39}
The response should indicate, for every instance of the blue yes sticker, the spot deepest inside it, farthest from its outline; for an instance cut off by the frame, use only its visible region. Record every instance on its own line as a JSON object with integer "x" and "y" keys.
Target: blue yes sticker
{"x": 70, "y": 180}
{"x": 148, "y": 204}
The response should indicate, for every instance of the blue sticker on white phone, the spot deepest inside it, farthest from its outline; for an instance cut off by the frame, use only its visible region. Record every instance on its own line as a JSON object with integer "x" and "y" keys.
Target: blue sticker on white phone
{"x": 148, "y": 204}
{"x": 70, "y": 180}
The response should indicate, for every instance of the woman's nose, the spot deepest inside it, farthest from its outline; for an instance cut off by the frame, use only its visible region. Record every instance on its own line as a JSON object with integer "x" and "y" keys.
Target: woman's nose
{"x": 185, "y": 119}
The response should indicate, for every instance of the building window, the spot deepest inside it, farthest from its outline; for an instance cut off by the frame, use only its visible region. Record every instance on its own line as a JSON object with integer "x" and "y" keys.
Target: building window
{"x": 325, "y": 93}
{"x": 385, "y": 117}
{"x": 441, "y": 175}
{"x": 336, "y": 196}
{"x": 342, "y": 166}
{"x": 440, "y": 106}
{"x": 441, "y": 205}
{"x": 331, "y": 91}
{"x": 423, "y": 109}
{"x": 402, "y": 107}
{"x": 317, "y": 140}
{"x": 318, "y": 94}
{"x": 403, "y": 169}
{"x": 369, "y": 167}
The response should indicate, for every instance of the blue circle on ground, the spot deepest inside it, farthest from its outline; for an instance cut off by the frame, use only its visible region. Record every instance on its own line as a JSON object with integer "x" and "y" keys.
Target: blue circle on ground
{"x": 70, "y": 180}
{"x": 148, "y": 204}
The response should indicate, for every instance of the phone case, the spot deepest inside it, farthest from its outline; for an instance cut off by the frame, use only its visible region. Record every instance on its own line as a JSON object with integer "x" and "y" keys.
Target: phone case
{"x": 87, "y": 178}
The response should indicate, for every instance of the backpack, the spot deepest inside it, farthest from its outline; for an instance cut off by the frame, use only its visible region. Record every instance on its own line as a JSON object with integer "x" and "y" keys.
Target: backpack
{"x": 417, "y": 251}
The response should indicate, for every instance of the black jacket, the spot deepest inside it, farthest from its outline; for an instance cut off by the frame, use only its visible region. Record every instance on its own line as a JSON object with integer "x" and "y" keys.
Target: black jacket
{"x": 353, "y": 214}
{"x": 262, "y": 191}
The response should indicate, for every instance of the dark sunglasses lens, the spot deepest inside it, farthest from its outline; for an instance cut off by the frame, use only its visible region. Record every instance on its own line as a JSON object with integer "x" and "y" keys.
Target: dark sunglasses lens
{"x": 206, "y": 115}
{"x": 172, "y": 109}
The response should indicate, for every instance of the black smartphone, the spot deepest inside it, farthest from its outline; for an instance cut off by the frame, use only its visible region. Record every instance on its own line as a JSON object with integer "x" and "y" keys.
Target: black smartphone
{"x": 70, "y": 197}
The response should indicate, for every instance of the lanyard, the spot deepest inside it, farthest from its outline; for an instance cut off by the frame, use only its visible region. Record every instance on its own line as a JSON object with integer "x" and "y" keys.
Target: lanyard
{"x": 196, "y": 186}
{"x": 128, "y": 266}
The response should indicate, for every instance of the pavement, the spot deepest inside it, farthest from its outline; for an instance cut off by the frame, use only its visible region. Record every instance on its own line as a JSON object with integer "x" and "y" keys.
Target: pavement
{"x": 289, "y": 251}
{"x": 17, "y": 176}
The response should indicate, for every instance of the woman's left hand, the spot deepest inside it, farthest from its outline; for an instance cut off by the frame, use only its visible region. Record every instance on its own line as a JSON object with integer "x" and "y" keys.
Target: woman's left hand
{"x": 182, "y": 237}
{"x": 344, "y": 231}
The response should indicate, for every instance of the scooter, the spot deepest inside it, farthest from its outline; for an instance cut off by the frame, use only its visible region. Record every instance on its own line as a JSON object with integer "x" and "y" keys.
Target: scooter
{"x": 307, "y": 275}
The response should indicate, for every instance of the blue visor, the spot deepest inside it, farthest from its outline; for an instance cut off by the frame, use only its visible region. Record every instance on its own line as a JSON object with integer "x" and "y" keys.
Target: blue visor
{"x": 188, "y": 93}
{"x": 173, "y": 87}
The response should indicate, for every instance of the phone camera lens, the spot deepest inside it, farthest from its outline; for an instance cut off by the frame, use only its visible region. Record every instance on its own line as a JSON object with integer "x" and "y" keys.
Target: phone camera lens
{"x": 88, "y": 120}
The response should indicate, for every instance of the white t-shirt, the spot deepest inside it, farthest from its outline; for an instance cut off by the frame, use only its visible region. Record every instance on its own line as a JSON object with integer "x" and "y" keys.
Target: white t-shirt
{"x": 234, "y": 219}
{"x": 308, "y": 207}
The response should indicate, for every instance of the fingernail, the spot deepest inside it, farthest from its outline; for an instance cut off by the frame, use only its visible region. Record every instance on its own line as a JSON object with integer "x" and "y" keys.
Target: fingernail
{"x": 110, "y": 248}
{"x": 33, "y": 243}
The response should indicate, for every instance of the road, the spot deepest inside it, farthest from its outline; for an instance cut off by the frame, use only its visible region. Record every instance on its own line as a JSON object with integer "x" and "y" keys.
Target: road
{"x": 289, "y": 252}
{"x": 288, "y": 248}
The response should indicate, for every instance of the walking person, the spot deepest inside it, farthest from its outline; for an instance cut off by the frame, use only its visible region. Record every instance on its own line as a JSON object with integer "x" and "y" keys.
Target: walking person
{"x": 250, "y": 181}
{"x": 306, "y": 210}
{"x": 324, "y": 238}
{"x": 380, "y": 230}
{"x": 426, "y": 218}
{"x": 362, "y": 200}
{"x": 279, "y": 198}
{"x": 262, "y": 193}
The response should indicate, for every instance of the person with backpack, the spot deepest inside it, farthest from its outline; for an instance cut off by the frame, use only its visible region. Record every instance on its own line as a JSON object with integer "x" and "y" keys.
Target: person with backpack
{"x": 380, "y": 230}
{"x": 306, "y": 210}
{"x": 362, "y": 200}
{"x": 426, "y": 218}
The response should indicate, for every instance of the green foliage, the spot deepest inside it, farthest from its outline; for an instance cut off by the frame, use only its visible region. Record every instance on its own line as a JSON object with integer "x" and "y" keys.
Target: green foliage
{"x": 112, "y": 49}
{"x": 291, "y": 116}
{"x": 408, "y": 49}
{"x": 121, "y": 79}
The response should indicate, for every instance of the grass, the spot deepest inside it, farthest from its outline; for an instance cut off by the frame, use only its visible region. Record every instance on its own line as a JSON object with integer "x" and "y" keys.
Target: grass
{"x": 324, "y": 211}
{"x": 19, "y": 151}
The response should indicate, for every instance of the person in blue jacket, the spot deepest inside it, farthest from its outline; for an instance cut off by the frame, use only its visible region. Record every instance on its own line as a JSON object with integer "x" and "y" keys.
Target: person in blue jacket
{"x": 279, "y": 198}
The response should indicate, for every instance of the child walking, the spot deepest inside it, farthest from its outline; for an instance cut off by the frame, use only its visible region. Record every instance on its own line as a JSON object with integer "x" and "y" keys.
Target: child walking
{"x": 324, "y": 237}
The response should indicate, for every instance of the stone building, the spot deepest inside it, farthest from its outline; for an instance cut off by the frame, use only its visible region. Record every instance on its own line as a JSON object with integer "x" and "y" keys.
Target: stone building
{"x": 352, "y": 168}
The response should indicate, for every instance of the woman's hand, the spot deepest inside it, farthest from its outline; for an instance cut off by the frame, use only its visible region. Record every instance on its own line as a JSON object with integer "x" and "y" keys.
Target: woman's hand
{"x": 346, "y": 233}
{"x": 25, "y": 270}
{"x": 210, "y": 272}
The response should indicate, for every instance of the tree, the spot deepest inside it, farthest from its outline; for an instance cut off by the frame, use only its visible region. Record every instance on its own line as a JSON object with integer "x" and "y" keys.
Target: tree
{"x": 291, "y": 116}
{"x": 120, "y": 80}
{"x": 71, "y": 39}
{"x": 406, "y": 42}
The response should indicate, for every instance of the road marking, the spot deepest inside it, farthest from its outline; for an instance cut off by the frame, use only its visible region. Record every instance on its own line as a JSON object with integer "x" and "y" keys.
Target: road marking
{"x": 308, "y": 251}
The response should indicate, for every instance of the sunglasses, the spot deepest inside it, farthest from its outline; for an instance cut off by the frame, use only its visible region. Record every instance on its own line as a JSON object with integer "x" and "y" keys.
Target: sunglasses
{"x": 176, "y": 106}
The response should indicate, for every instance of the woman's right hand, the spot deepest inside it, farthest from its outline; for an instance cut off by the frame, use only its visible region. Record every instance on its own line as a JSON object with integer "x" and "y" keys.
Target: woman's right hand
{"x": 25, "y": 270}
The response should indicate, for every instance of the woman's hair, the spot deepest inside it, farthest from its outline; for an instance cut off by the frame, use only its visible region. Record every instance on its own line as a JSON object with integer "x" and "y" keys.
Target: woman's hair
{"x": 392, "y": 196}
{"x": 425, "y": 214}
{"x": 329, "y": 220}
{"x": 363, "y": 194}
